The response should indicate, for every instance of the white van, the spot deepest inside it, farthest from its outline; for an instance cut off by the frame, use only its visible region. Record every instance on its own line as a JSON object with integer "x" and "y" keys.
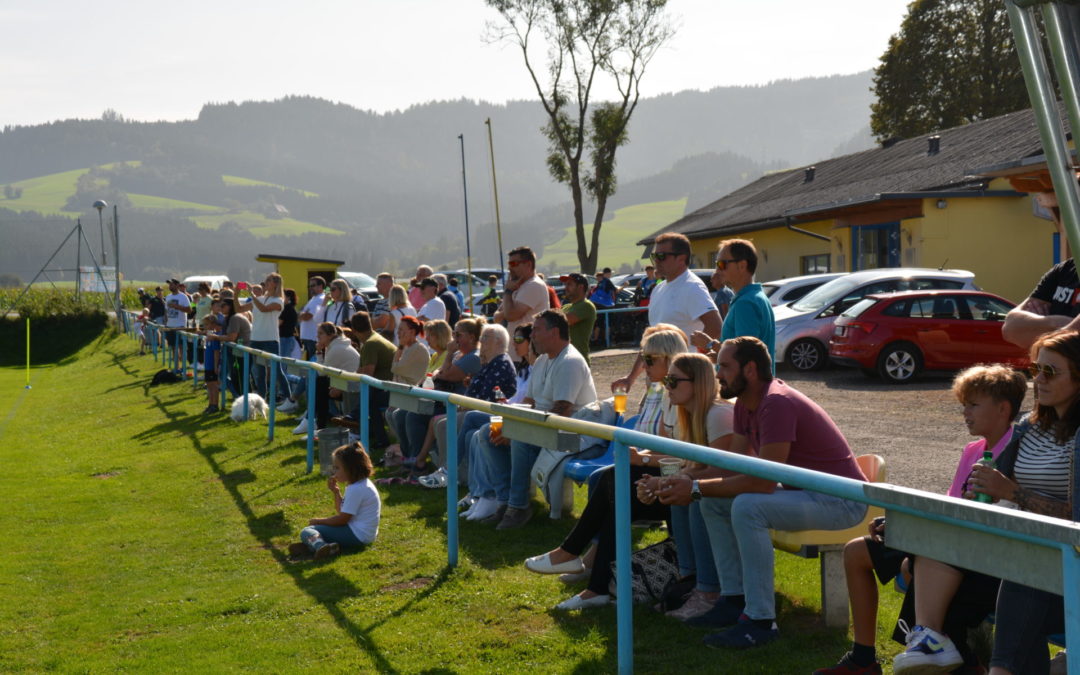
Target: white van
{"x": 192, "y": 282}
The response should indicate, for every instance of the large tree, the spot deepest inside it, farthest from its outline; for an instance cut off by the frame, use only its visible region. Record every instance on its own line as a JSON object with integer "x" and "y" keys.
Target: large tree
{"x": 953, "y": 62}
{"x": 571, "y": 46}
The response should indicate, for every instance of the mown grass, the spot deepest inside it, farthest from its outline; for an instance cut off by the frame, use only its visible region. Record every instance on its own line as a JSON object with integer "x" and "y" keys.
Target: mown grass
{"x": 239, "y": 180}
{"x": 617, "y": 236}
{"x": 261, "y": 226}
{"x": 45, "y": 194}
{"x": 165, "y": 204}
{"x": 143, "y": 536}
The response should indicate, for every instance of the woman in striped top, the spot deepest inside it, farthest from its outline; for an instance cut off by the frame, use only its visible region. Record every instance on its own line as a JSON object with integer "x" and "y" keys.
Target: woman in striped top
{"x": 1036, "y": 472}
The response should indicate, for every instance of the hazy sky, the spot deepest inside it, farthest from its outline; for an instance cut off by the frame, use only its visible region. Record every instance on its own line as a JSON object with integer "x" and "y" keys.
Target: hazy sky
{"x": 156, "y": 60}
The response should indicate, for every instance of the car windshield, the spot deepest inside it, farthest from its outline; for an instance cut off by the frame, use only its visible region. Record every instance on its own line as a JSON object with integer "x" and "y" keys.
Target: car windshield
{"x": 769, "y": 290}
{"x": 825, "y": 294}
{"x": 859, "y": 307}
{"x": 358, "y": 279}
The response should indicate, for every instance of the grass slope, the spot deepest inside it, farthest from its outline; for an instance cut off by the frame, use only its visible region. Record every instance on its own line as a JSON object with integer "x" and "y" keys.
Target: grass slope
{"x": 143, "y": 536}
{"x": 239, "y": 180}
{"x": 617, "y": 236}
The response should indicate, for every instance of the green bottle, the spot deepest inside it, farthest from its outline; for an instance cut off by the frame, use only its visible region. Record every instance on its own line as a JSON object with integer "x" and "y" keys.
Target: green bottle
{"x": 987, "y": 460}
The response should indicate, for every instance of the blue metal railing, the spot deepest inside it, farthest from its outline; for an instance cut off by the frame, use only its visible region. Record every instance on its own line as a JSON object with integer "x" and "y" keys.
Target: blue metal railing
{"x": 1020, "y": 527}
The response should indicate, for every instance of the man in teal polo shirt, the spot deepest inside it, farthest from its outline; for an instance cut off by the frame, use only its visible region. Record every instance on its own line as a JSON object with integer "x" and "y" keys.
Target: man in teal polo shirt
{"x": 750, "y": 313}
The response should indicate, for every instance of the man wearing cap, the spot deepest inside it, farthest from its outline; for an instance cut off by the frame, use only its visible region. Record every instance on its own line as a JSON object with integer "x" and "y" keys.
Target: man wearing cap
{"x": 156, "y": 305}
{"x": 580, "y": 312}
{"x": 176, "y": 315}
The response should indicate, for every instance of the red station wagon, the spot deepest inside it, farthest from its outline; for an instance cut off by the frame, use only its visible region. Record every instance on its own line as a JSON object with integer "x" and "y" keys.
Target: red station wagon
{"x": 898, "y": 335}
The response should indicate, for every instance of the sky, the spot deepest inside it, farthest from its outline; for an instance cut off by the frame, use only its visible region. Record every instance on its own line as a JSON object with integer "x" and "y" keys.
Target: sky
{"x": 65, "y": 59}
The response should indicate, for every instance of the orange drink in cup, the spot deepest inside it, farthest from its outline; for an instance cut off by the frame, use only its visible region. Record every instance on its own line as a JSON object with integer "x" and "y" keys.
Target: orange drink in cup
{"x": 620, "y": 401}
{"x": 496, "y": 424}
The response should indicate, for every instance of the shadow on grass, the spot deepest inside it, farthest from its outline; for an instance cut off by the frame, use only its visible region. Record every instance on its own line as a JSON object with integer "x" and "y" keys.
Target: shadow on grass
{"x": 326, "y": 586}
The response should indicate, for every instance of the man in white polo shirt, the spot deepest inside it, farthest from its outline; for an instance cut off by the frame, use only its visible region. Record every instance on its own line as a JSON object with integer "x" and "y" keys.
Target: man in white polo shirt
{"x": 312, "y": 315}
{"x": 682, "y": 300}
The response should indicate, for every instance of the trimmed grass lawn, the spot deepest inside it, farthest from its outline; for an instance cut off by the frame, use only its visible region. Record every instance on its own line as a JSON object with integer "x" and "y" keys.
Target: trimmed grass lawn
{"x": 239, "y": 180}
{"x": 143, "y": 536}
{"x": 617, "y": 236}
{"x": 166, "y": 204}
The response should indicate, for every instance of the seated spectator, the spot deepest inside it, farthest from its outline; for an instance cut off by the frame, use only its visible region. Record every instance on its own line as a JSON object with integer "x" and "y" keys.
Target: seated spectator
{"x": 433, "y": 307}
{"x": 560, "y": 384}
{"x": 438, "y": 335}
{"x": 1034, "y": 473}
{"x": 778, "y": 424}
{"x": 356, "y": 523}
{"x": 399, "y": 308}
{"x": 409, "y": 367}
{"x": 707, "y": 419}
{"x": 376, "y": 360}
{"x": 380, "y": 313}
{"x": 991, "y": 397}
{"x": 334, "y": 350}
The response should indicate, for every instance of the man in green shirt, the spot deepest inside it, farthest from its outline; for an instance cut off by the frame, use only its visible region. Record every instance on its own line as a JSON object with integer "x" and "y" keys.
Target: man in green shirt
{"x": 580, "y": 312}
{"x": 376, "y": 358}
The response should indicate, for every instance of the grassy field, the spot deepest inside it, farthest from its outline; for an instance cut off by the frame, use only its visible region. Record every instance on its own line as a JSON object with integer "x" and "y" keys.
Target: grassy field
{"x": 238, "y": 180}
{"x": 617, "y": 236}
{"x": 261, "y": 226}
{"x": 143, "y": 536}
{"x": 45, "y": 194}
{"x": 165, "y": 204}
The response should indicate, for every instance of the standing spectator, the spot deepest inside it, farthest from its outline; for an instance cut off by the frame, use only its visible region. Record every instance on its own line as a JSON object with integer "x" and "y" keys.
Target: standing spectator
{"x": 1054, "y": 304}
{"x": 433, "y": 307}
{"x": 339, "y": 307}
{"x": 359, "y": 302}
{"x": 490, "y": 303}
{"x": 202, "y": 302}
{"x": 682, "y": 300}
{"x": 287, "y": 325}
{"x": 237, "y": 331}
{"x": 156, "y": 305}
{"x": 176, "y": 316}
{"x": 553, "y": 297}
{"x": 380, "y": 313}
{"x": 455, "y": 288}
{"x": 603, "y": 296}
{"x": 722, "y": 295}
{"x": 580, "y": 312}
{"x": 416, "y": 297}
{"x": 524, "y": 295}
{"x": 399, "y": 309}
{"x": 312, "y": 315}
{"x": 560, "y": 384}
{"x": 779, "y": 424}
{"x": 449, "y": 300}
{"x": 267, "y": 303}
{"x": 750, "y": 313}
{"x": 645, "y": 287}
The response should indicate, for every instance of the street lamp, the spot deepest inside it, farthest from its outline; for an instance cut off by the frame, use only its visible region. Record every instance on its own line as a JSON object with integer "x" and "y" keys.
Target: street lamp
{"x": 100, "y": 206}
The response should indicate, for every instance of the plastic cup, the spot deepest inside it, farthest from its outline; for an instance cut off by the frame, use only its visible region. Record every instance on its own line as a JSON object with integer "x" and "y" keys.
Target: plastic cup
{"x": 496, "y": 424}
{"x": 669, "y": 466}
{"x": 620, "y": 401}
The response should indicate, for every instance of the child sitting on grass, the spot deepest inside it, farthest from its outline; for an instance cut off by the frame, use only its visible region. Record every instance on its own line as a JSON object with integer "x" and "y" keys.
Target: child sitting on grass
{"x": 357, "y": 520}
{"x": 991, "y": 397}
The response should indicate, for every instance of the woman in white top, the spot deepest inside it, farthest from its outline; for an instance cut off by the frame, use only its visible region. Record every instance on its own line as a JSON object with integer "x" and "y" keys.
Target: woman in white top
{"x": 399, "y": 307}
{"x": 267, "y": 302}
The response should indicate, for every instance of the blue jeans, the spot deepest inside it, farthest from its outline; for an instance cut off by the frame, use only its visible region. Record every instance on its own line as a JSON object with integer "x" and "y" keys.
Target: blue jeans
{"x": 479, "y": 480}
{"x": 742, "y": 547}
{"x": 692, "y": 543}
{"x": 340, "y": 534}
{"x": 1024, "y": 617}
{"x": 416, "y": 427}
{"x": 510, "y": 469}
{"x": 272, "y": 347}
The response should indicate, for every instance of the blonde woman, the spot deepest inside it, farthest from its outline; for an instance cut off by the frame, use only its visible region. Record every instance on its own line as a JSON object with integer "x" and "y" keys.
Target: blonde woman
{"x": 438, "y": 336}
{"x": 399, "y": 308}
{"x": 339, "y": 303}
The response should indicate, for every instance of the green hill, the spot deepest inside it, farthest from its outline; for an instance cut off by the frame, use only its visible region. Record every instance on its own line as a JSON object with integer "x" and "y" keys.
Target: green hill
{"x": 617, "y": 236}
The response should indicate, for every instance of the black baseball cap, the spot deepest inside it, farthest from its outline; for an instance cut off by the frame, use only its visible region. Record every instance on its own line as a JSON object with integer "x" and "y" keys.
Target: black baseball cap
{"x": 578, "y": 278}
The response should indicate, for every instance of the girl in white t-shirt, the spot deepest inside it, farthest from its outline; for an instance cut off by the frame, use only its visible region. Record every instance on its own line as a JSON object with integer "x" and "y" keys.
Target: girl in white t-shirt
{"x": 356, "y": 523}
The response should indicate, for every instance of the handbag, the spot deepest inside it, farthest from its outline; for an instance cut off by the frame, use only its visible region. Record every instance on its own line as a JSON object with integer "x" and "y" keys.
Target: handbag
{"x": 652, "y": 569}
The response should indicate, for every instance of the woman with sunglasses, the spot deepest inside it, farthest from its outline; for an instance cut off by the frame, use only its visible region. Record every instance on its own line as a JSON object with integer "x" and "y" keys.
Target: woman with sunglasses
{"x": 339, "y": 303}
{"x": 691, "y": 385}
{"x": 1037, "y": 473}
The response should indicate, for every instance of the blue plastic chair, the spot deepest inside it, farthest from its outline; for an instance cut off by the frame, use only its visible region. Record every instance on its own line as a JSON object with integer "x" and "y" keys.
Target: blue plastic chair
{"x": 582, "y": 470}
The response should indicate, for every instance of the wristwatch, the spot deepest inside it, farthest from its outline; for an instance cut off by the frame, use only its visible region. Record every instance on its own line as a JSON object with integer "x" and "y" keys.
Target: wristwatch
{"x": 695, "y": 491}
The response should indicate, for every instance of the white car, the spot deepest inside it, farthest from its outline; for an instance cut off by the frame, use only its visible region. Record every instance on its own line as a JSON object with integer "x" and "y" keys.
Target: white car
{"x": 784, "y": 291}
{"x": 803, "y": 328}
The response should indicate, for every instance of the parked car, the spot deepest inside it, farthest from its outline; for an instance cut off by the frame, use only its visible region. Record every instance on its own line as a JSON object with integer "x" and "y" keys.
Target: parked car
{"x": 215, "y": 281}
{"x": 898, "y": 335}
{"x": 361, "y": 282}
{"x": 783, "y": 291}
{"x": 803, "y": 328}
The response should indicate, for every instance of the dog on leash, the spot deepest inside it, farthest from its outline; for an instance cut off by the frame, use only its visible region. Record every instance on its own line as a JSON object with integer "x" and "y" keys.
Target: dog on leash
{"x": 257, "y": 408}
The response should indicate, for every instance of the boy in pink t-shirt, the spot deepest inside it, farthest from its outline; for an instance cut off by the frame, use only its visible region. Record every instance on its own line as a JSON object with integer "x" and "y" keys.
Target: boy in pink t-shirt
{"x": 991, "y": 397}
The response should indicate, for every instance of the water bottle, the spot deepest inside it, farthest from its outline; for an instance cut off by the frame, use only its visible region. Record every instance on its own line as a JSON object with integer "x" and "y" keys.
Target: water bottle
{"x": 429, "y": 383}
{"x": 498, "y": 395}
{"x": 987, "y": 460}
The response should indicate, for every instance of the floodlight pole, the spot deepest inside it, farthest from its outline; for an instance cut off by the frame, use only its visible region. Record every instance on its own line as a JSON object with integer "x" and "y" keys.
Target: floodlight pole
{"x": 78, "y": 260}
{"x": 468, "y": 245}
{"x": 116, "y": 257}
{"x": 99, "y": 205}
{"x": 495, "y": 187}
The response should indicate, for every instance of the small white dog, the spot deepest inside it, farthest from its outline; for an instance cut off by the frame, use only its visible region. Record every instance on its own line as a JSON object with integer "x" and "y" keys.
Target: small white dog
{"x": 257, "y": 408}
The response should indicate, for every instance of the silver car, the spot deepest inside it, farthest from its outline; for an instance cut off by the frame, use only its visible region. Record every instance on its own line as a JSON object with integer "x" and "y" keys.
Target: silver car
{"x": 803, "y": 327}
{"x": 784, "y": 291}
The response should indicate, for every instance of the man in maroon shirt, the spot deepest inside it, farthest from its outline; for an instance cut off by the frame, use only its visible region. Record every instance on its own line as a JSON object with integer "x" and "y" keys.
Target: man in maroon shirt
{"x": 779, "y": 424}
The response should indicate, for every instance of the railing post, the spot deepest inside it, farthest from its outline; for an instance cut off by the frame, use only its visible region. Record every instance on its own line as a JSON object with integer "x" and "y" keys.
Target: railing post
{"x": 1071, "y": 582}
{"x": 311, "y": 421}
{"x": 624, "y": 606}
{"x": 363, "y": 416}
{"x": 195, "y": 340}
{"x": 246, "y": 388}
{"x": 153, "y": 342}
{"x": 226, "y": 368}
{"x": 451, "y": 485}
{"x": 607, "y": 329}
{"x": 273, "y": 397}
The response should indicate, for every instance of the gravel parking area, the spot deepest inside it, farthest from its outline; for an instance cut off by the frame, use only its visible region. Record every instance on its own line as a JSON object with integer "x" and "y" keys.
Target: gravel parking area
{"x": 918, "y": 427}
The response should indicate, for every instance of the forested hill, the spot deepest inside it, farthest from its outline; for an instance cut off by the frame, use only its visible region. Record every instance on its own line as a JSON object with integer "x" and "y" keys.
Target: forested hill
{"x": 340, "y": 169}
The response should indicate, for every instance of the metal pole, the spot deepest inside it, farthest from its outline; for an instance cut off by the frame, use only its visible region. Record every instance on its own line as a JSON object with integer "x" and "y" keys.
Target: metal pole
{"x": 116, "y": 254}
{"x": 365, "y": 415}
{"x": 246, "y": 384}
{"x": 226, "y": 366}
{"x": 1044, "y": 105}
{"x": 78, "y": 261}
{"x": 311, "y": 420}
{"x": 495, "y": 188}
{"x": 624, "y": 607}
{"x": 451, "y": 485}
{"x": 274, "y": 364}
{"x": 468, "y": 244}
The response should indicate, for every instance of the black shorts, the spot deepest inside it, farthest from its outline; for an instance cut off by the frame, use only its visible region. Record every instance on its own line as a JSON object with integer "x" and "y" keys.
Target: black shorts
{"x": 886, "y": 560}
{"x": 210, "y": 376}
{"x": 170, "y": 338}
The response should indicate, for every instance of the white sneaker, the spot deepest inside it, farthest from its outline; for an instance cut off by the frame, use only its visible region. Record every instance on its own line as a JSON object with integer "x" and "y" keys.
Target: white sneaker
{"x": 288, "y": 406}
{"x": 484, "y": 508}
{"x": 301, "y": 428}
{"x": 928, "y": 651}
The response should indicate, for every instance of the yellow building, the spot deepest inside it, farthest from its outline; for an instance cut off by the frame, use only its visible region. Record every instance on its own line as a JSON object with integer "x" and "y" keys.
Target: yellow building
{"x": 296, "y": 271}
{"x": 943, "y": 201}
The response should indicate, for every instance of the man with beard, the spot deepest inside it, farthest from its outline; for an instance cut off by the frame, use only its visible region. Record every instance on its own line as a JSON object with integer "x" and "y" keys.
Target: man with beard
{"x": 524, "y": 295}
{"x": 776, "y": 423}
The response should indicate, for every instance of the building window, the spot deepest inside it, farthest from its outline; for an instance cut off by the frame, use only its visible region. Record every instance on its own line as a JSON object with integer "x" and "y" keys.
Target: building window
{"x": 874, "y": 246}
{"x": 814, "y": 264}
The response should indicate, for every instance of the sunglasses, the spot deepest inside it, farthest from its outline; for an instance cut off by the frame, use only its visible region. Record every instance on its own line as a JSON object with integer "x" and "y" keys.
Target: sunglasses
{"x": 650, "y": 359}
{"x": 660, "y": 257}
{"x": 518, "y": 339}
{"x": 514, "y": 263}
{"x": 1048, "y": 372}
{"x": 670, "y": 381}
{"x": 722, "y": 264}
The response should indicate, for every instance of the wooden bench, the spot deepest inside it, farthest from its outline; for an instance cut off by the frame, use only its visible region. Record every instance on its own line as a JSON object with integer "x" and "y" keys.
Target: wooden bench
{"x": 828, "y": 547}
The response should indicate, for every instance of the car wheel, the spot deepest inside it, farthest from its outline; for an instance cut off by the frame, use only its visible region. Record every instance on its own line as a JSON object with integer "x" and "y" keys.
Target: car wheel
{"x": 807, "y": 354}
{"x": 900, "y": 363}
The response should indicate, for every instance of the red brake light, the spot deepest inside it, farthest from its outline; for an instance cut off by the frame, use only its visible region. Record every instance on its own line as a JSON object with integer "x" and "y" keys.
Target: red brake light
{"x": 864, "y": 326}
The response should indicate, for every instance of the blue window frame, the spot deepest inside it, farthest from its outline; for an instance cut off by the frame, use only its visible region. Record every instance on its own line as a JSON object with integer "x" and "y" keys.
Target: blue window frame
{"x": 875, "y": 246}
